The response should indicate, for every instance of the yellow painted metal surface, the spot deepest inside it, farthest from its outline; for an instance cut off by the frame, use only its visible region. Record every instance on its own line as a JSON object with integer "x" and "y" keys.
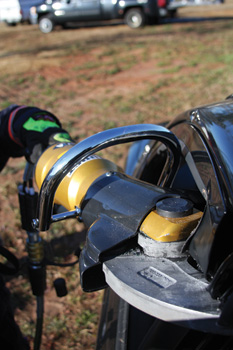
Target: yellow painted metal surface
{"x": 75, "y": 184}
{"x": 169, "y": 229}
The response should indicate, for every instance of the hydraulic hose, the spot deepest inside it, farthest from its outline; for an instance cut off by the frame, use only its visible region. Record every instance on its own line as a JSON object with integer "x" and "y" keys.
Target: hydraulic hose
{"x": 36, "y": 266}
{"x": 39, "y": 321}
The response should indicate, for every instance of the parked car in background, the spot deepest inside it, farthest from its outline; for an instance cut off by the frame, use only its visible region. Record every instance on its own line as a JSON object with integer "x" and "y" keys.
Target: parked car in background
{"x": 13, "y": 12}
{"x": 134, "y": 12}
{"x": 10, "y": 12}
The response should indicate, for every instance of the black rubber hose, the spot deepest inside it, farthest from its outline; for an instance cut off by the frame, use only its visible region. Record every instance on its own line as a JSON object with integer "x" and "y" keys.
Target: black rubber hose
{"x": 39, "y": 322}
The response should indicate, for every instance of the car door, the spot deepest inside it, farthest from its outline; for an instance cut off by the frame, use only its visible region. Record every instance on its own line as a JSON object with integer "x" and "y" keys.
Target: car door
{"x": 90, "y": 9}
{"x": 67, "y": 10}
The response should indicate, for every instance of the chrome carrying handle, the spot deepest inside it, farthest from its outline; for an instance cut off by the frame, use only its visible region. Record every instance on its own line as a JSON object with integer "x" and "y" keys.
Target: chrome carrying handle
{"x": 92, "y": 145}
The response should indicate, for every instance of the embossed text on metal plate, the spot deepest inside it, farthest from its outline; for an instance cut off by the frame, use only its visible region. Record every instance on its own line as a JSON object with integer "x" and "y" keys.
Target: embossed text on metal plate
{"x": 159, "y": 278}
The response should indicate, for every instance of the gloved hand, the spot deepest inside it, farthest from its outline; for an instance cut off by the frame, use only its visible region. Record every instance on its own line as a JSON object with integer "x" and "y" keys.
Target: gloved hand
{"x": 28, "y": 131}
{"x": 38, "y": 132}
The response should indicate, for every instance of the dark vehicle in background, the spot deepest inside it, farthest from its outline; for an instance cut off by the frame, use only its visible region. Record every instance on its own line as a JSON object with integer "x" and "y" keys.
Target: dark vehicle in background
{"x": 135, "y": 13}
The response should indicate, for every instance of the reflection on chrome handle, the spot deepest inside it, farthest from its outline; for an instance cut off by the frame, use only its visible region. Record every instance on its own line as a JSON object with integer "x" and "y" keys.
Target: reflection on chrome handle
{"x": 92, "y": 145}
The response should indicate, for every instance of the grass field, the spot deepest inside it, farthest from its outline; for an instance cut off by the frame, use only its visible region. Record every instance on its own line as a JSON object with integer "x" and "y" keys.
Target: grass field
{"x": 96, "y": 78}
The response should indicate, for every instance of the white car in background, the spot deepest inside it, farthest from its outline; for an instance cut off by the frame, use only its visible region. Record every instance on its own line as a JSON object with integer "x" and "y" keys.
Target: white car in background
{"x": 10, "y": 12}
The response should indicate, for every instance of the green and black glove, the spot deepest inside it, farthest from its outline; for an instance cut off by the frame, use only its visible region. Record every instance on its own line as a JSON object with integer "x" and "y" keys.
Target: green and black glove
{"x": 28, "y": 131}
